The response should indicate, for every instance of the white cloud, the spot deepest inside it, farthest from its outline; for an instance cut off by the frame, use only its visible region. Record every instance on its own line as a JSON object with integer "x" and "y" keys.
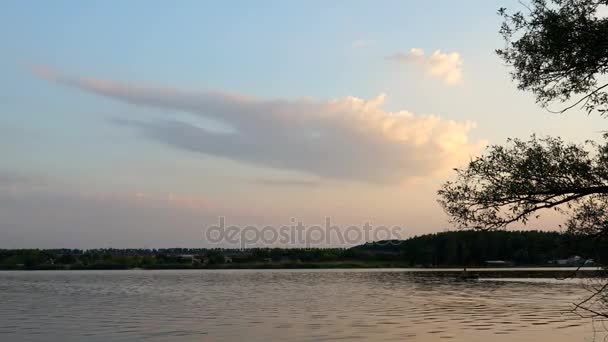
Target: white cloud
{"x": 349, "y": 138}
{"x": 446, "y": 66}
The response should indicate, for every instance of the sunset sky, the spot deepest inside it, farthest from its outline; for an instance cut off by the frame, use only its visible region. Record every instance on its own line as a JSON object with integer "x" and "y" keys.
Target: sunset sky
{"x": 137, "y": 123}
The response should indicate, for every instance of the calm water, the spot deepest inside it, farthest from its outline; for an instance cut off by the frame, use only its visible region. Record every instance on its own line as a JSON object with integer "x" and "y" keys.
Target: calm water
{"x": 300, "y": 305}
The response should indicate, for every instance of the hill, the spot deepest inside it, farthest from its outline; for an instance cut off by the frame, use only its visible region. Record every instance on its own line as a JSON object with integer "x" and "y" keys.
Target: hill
{"x": 477, "y": 247}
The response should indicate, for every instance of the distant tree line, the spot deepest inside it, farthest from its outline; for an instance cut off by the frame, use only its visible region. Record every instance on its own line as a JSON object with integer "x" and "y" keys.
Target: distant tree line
{"x": 475, "y": 248}
{"x": 458, "y": 248}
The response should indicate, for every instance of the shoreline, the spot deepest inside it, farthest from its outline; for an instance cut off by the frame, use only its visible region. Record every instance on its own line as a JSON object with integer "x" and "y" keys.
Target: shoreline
{"x": 448, "y": 272}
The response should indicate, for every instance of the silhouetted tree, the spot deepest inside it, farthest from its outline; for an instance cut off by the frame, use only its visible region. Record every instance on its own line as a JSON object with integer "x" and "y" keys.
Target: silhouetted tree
{"x": 513, "y": 183}
{"x": 558, "y": 50}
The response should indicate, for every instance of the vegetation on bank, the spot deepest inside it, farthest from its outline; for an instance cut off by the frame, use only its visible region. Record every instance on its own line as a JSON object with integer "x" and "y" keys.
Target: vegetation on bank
{"x": 446, "y": 249}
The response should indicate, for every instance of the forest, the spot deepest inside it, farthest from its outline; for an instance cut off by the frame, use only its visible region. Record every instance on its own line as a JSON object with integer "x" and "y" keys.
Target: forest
{"x": 444, "y": 249}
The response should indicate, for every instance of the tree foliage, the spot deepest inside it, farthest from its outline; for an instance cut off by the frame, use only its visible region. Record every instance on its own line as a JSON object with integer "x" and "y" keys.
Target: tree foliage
{"x": 474, "y": 248}
{"x": 559, "y": 51}
{"x": 512, "y": 183}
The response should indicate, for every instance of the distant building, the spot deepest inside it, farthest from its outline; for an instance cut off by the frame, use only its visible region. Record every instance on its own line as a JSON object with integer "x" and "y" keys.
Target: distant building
{"x": 201, "y": 259}
{"x": 573, "y": 261}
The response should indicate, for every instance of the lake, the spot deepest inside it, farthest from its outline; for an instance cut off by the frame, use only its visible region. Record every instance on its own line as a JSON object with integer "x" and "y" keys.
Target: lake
{"x": 286, "y": 305}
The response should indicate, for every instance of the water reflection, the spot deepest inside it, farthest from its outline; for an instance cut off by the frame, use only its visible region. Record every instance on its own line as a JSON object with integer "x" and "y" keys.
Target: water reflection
{"x": 282, "y": 305}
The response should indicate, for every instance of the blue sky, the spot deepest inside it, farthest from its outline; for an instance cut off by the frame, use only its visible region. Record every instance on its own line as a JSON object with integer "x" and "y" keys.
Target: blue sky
{"x": 85, "y": 167}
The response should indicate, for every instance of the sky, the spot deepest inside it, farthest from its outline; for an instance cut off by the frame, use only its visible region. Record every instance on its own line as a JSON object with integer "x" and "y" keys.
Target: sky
{"x": 140, "y": 123}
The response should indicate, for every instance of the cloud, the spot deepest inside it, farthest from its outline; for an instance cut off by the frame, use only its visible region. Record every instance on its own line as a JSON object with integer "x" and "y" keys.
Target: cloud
{"x": 446, "y": 66}
{"x": 349, "y": 138}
